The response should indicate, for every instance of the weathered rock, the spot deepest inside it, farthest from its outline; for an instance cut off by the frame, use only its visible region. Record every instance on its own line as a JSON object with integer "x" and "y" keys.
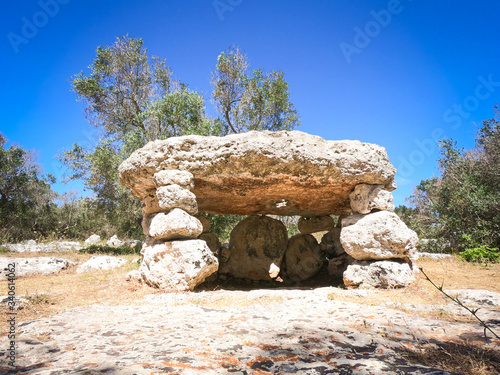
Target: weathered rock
{"x": 54, "y": 246}
{"x": 30, "y": 266}
{"x": 114, "y": 241}
{"x": 303, "y": 257}
{"x": 273, "y": 331}
{"x": 224, "y": 253}
{"x": 150, "y": 241}
{"x": 340, "y": 218}
{"x": 380, "y": 235}
{"x": 282, "y": 173}
{"x": 133, "y": 243}
{"x": 177, "y": 224}
{"x": 146, "y": 224}
{"x": 477, "y": 297}
{"x": 338, "y": 265}
{"x": 150, "y": 203}
{"x": 101, "y": 262}
{"x": 177, "y": 265}
{"x": 378, "y": 274}
{"x": 174, "y": 196}
{"x": 173, "y": 177}
{"x": 331, "y": 245}
{"x": 205, "y": 221}
{"x": 256, "y": 249}
{"x": 212, "y": 241}
{"x": 432, "y": 255}
{"x": 315, "y": 224}
{"x": 93, "y": 240}
{"x": 134, "y": 275}
{"x": 366, "y": 198}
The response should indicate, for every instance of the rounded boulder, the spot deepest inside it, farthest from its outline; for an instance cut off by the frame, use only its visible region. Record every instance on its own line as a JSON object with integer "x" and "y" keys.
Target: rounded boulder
{"x": 256, "y": 249}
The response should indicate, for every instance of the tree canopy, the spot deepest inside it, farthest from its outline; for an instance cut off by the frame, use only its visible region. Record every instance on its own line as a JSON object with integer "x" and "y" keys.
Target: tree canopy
{"x": 26, "y": 197}
{"x": 132, "y": 98}
{"x": 463, "y": 204}
{"x": 250, "y": 100}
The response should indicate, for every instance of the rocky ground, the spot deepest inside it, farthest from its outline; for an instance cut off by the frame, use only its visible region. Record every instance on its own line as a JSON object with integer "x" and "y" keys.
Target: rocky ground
{"x": 262, "y": 331}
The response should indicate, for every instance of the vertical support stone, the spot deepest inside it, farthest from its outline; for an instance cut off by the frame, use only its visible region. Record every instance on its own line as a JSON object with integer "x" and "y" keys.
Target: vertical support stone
{"x": 174, "y": 258}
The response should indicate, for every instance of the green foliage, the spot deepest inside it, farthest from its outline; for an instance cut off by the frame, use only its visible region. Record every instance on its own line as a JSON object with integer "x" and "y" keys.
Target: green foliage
{"x": 120, "y": 250}
{"x": 434, "y": 245}
{"x": 222, "y": 225}
{"x": 132, "y": 98}
{"x": 479, "y": 253}
{"x": 3, "y": 250}
{"x": 465, "y": 200}
{"x": 26, "y": 198}
{"x": 290, "y": 223}
{"x": 421, "y": 221}
{"x": 252, "y": 100}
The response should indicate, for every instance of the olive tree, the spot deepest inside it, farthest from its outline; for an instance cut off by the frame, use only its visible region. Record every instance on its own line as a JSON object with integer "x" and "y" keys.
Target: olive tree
{"x": 132, "y": 98}
{"x": 250, "y": 100}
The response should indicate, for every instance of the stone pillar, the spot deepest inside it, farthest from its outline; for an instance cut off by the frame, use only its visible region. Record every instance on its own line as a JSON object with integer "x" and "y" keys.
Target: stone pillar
{"x": 173, "y": 257}
{"x": 379, "y": 242}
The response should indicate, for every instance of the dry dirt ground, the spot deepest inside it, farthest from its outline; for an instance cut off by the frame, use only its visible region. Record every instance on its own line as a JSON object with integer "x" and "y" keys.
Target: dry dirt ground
{"x": 98, "y": 323}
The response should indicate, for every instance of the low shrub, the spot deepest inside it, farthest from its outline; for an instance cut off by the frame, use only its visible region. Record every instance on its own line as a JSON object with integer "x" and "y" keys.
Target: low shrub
{"x": 109, "y": 250}
{"x": 434, "y": 245}
{"x": 481, "y": 254}
{"x": 475, "y": 252}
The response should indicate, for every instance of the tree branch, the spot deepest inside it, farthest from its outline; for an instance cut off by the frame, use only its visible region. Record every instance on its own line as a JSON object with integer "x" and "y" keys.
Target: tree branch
{"x": 460, "y": 303}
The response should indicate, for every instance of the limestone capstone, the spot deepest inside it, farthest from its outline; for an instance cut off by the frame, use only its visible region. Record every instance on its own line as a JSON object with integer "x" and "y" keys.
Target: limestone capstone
{"x": 282, "y": 173}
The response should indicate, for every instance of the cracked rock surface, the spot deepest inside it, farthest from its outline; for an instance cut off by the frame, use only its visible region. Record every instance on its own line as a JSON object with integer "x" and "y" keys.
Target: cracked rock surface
{"x": 280, "y": 331}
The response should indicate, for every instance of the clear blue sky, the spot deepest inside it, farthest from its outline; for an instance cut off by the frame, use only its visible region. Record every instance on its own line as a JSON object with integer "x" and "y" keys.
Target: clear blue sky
{"x": 397, "y": 73}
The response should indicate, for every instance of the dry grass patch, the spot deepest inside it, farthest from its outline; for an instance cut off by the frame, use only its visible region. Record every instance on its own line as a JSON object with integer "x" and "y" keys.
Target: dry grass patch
{"x": 51, "y": 294}
{"x": 460, "y": 358}
{"x": 453, "y": 273}
{"x": 456, "y": 273}
{"x": 72, "y": 256}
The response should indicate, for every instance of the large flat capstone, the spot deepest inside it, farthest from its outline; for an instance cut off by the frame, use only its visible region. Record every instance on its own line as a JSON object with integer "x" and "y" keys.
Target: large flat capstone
{"x": 282, "y": 173}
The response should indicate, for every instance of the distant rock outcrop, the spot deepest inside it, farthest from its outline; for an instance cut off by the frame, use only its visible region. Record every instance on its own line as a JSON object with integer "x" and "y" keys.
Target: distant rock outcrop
{"x": 30, "y": 266}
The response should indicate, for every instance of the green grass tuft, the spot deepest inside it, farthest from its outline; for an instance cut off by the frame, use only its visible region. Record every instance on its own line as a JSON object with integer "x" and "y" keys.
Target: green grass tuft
{"x": 109, "y": 250}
